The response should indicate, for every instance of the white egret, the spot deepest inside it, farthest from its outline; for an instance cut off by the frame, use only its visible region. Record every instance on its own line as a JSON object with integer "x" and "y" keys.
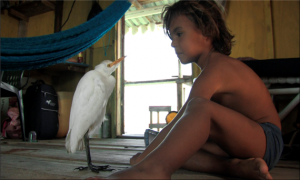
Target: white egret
{"x": 89, "y": 107}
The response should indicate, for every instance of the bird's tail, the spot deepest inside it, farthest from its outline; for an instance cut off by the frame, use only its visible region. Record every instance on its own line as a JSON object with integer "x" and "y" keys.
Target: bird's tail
{"x": 73, "y": 143}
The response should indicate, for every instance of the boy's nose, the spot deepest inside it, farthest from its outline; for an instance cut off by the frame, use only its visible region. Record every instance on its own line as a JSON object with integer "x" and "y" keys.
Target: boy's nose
{"x": 173, "y": 44}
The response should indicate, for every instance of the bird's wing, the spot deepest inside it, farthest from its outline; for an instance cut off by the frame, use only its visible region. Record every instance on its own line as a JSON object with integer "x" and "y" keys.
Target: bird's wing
{"x": 89, "y": 101}
{"x": 109, "y": 87}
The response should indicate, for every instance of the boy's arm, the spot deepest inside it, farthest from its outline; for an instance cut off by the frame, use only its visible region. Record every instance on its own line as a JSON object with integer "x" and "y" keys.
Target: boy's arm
{"x": 205, "y": 86}
{"x": 159, "y": 138}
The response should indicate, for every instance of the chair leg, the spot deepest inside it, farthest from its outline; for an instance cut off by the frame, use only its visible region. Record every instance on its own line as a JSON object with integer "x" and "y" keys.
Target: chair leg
{"x": 21, "y": 109}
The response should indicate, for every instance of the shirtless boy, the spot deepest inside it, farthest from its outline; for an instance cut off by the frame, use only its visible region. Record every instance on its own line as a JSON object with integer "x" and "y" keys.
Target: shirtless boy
{"x": 229, "y": 124}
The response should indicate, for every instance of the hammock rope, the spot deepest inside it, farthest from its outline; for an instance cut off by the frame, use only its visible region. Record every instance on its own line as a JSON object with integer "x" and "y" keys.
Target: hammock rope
{"x": 42, "y": 51}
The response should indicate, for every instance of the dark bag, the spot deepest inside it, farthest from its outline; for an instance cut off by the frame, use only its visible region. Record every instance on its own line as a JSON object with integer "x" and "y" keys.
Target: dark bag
{"x": 41, "y": 110}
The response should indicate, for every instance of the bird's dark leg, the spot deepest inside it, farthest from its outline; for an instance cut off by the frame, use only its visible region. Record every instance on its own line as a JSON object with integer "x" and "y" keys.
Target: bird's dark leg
{"x": 92, "y": 167}
{"x": 87, "y": 150}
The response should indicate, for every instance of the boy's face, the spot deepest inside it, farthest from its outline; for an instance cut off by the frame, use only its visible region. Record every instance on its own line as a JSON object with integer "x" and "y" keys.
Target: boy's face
{"x": 187, "y": 39}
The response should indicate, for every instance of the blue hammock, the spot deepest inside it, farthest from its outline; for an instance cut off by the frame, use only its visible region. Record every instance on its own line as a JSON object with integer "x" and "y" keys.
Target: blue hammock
{"x": 42, "y": 51}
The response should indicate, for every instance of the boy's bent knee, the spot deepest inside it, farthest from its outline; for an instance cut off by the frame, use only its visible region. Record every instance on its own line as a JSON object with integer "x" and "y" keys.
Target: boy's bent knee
{"x": 199, "y": 104}
{"x": 197, "y": 101}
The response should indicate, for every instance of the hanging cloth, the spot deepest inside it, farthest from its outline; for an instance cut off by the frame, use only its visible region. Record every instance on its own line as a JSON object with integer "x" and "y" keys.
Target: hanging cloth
{"x": 42, "y": 51}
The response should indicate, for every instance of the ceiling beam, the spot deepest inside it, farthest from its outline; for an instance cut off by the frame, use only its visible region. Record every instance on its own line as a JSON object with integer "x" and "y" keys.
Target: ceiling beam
{"x": 144, "y": 12}
{"x": 143, "y": 2}
{"x": 139, "y": 7}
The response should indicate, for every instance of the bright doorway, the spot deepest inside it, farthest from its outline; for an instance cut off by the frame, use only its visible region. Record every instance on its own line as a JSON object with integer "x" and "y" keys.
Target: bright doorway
{"x": 150, "y": 72}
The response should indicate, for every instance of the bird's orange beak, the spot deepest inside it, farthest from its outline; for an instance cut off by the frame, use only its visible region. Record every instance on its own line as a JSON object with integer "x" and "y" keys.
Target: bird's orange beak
{"x": 116, "y": 61}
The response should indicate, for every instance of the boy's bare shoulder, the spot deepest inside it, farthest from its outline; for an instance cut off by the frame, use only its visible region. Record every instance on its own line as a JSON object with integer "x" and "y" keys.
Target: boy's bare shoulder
{"x": 227, "y": 75}
{"x": 210, "y": 79}
{"x": 230, "y": 70}
{"x": 223, "y": 70}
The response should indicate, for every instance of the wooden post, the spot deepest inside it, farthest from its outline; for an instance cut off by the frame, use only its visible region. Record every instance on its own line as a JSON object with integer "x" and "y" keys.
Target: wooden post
{"x": 118, "y": 129}
{"x": 179, "y": 87}
{"x": 179, "y": 96}
{"x": 151, "y": 118}
{"x": 22, "y": 32}
{"x": 58, "y": 15}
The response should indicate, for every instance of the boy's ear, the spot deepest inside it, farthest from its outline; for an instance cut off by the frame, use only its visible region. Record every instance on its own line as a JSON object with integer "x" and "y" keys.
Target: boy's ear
{"x": 208, "y": 39}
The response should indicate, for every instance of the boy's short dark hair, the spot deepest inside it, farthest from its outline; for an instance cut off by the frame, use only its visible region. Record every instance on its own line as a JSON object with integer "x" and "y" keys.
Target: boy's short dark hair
{"x": 207, "y": 16}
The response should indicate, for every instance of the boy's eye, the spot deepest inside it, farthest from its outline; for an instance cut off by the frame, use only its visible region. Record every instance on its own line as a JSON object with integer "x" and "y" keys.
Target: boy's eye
{"x": 179, "y": 34}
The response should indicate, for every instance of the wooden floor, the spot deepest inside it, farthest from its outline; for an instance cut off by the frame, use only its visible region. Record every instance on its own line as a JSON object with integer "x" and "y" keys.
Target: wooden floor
{"x": 48, "y": 159}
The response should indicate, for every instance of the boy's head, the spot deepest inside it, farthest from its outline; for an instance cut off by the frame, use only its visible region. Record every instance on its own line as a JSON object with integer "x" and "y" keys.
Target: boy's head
{"x": 207, "y": 16}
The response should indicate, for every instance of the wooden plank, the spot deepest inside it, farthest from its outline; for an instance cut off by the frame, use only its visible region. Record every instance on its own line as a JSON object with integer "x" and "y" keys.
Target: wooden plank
{"x": 286, "y": 18}
{"x": 160, "y": 108}
{"x": 144, "y": 12}
{"x": 22, "y": 32}
{"x": 151, "y": 126}
{"x": 18, "y": 15}
{"x": 134, "y": 143}
{"x": 117, "y": 128}
{"x": 48, "y": 4}
{"x": 142, "y": 2}
{"x": 9, "y": 25}
{"x": 151, "y": 118}
{"x": 22, "y": 167}
{"x": 99, "y": 156}
{"x": 34, "y": 8}
{"x": 122, "y": 87}
{"x": 139, "y": 6}
{"x": 269, "y": 29}
{"x": 246, "y": 20}
{"x": 187, "y": 80}
{"x": 179, "y": 96}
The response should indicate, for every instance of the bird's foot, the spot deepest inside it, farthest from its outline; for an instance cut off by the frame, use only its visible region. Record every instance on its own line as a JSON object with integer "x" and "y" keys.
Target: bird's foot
{"x": 95, "y": 169}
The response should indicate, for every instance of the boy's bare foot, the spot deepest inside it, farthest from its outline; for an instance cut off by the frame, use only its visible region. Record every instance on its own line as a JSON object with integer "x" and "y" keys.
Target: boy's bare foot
{"x": 253, "y": 168}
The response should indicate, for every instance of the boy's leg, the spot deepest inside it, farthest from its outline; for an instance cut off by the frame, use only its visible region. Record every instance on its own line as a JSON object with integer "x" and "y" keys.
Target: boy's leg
{"x": 236, "y": 134}
{"x": 206, "y": 162}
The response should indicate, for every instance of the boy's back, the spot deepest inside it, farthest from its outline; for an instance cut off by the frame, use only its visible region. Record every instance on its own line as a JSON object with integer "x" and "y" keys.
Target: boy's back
{"x": 231, "y": 83}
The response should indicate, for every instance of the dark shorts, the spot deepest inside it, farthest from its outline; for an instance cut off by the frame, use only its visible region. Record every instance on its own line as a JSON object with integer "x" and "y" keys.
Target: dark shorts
{"x": 274, "y": 142}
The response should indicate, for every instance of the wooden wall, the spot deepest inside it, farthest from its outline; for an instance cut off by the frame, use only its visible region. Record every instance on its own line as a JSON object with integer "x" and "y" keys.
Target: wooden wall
{"x": 263, "y": 29}
{"x": 9, "y": 25}
{"x": 42, "y": 24}
{"x": 286, "y": 28}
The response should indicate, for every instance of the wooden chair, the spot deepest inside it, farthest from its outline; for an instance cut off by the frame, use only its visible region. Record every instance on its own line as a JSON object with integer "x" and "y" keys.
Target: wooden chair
{"x": 157, "y": 109}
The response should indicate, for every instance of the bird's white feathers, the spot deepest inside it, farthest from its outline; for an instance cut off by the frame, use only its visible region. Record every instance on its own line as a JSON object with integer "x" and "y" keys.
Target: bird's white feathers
{"x": 89, "y": 105}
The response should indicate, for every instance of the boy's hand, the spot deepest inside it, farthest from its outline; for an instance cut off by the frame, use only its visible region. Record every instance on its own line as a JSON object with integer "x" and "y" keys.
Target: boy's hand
{"x": 133, "y": 160}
